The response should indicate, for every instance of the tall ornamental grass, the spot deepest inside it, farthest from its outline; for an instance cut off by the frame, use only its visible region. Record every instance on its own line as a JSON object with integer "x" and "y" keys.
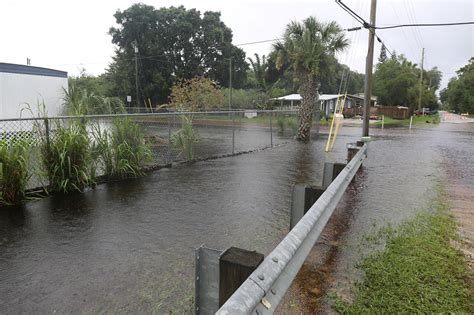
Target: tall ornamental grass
{"x": 67, "y": 158}
{"x": 185, "y": 138}
{"x": 14, "y": 175}
{"x": 121, "y": 152}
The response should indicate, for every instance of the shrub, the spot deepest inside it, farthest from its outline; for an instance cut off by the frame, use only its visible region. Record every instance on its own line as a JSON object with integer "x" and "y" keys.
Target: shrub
{"x": 281, "y": 121}
{"x": 292, "y": 123}
{"x": 284, "y": 121}
{"x": 247, "y": 99}
{"x": 196, "y": 94}
{"x": 14, "y": 153}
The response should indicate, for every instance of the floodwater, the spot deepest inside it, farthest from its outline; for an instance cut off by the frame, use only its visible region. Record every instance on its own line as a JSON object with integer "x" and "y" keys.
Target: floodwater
{"x": 397, "y": 180}
{"x": 129, "y": 246}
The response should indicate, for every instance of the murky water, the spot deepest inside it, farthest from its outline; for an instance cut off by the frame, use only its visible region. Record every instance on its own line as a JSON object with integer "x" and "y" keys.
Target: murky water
{"x": 398, "y": 179}
{"x": 129, "y": 246}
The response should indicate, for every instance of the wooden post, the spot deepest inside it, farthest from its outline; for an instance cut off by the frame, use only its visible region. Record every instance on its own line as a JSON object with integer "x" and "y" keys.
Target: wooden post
{"x": 303, "y": 198}
{"x": 352, "y": 150}
{"x": 235, "y": 266}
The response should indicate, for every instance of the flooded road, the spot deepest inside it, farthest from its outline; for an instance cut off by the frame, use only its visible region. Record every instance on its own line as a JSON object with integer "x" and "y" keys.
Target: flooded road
{"x": 129, "y": 246}
{"x": 398, "y": 178}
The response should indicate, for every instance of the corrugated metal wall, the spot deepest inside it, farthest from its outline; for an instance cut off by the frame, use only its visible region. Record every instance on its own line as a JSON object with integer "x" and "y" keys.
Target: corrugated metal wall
{"x": 17, "y": 90}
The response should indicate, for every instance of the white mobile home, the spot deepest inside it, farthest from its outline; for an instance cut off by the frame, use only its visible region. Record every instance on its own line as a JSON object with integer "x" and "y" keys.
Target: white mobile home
{"x": 21, "y": 85}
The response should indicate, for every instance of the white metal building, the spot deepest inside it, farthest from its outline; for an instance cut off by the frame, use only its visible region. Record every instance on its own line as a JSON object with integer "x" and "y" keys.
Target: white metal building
{"x": 21, "y": 85}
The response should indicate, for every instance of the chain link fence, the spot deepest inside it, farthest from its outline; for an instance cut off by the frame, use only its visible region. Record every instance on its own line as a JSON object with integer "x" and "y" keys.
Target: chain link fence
{"x": 217, "y": 134}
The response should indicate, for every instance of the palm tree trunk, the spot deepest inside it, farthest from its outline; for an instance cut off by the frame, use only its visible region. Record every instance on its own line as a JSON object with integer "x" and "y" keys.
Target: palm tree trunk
{"x": 309, "y": 95}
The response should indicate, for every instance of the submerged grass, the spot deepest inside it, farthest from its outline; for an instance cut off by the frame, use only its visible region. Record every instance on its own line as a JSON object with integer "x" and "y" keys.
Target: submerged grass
{"x": 185, "y": 138}
{"x": 419, "y": 271}
{"x": 14, "y": 175}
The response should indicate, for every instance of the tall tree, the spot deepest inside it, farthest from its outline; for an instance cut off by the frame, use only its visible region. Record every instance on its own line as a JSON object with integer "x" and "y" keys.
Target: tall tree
{"x": 396, "y": 82}
{"x": 459, "y": 95}
{"x": 383, "y": 54}
{"x": 308, "y": 47}
{"x": 432, "y": 78}
{"x": 173, "y": 44}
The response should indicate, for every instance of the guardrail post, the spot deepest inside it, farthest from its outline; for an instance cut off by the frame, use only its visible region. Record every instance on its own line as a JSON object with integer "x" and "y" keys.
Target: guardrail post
{"x": 206, "y": 280}
{"x": 303, "y": 198}
{"x": 235, "y": 266}
{"x": 331, "y": 170}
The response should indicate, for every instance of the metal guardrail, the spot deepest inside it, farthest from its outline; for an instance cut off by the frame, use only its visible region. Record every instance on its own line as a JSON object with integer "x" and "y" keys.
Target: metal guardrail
{"x": 264, "y": 289}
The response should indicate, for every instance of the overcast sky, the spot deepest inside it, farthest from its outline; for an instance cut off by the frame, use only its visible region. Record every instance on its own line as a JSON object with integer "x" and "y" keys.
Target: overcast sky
{"x": 67, "y": 35}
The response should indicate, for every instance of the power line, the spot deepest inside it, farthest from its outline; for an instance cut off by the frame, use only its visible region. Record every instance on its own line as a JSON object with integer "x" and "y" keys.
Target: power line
{"x": 423, "y": 24}
{"x": 412, "y": 20}
{"x": 353, "y": 14}
{"x": 260, "y": 42}
{"x": 364, "y": 23}
{"x": 403, "y": 30}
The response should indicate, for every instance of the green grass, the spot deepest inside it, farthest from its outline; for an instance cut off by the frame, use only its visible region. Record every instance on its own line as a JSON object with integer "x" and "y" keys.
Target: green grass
{"x": 417, "y": 120}
{"x": 419, "y": 271}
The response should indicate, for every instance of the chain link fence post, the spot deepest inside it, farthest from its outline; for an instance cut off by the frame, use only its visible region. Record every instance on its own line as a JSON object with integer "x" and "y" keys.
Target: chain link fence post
{"x": 169, "y": 130}
{"x": 317, "y": 118}
{"x": 271, "y": 129}
{"x": 48, "y": 143}
{"x": 233, "y": 133}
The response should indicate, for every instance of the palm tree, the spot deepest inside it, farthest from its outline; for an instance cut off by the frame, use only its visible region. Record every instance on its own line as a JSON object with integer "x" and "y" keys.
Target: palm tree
{"x": 259, "y": 67}
{"x": 308, "y": 47}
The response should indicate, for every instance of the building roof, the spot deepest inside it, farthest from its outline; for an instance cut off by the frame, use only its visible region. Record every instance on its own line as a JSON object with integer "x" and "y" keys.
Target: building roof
{"x": 291, "y": 97}
{"x": 322, "y": 97}
{"x": 24, "y": 69}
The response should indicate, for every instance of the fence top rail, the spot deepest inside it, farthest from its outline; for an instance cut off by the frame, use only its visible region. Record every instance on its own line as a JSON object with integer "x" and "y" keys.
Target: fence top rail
{"x": 274, "y": 275}
{"x": 148, "y": 114}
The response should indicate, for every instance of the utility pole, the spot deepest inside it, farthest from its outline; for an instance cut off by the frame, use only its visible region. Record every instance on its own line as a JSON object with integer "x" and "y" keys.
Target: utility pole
{"x": 135, "y": 47}
{"x": 230, "y": 83}
{"x": 421, "y": 77}
{"x": 369, "y": 62}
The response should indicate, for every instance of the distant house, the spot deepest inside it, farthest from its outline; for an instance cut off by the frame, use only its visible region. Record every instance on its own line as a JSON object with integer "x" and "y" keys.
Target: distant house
{"x": 288, "y": 102}
{"x": 22, "y": 84}
{"x": 327, "y": 102}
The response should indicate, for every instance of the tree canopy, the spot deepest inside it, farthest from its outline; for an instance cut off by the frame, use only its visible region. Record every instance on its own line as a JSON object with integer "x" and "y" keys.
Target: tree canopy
{"x": 173, "y": 44}
{"x": 397, "y": 82}
{"x": 459, "y": 95}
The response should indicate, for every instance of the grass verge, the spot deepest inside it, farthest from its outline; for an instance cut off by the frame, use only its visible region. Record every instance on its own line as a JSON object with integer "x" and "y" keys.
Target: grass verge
{"x": 419, "y": 271}
{"x": 417, "y": 120}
